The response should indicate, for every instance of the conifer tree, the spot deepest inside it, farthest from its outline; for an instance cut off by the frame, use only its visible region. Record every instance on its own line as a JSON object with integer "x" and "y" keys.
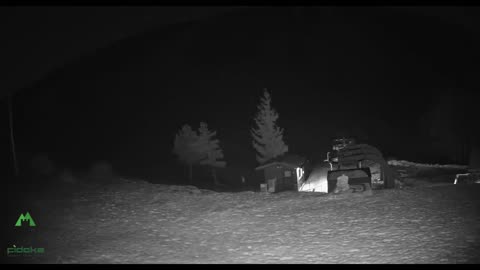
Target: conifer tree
{"x": 184, "y": 144}
{"x": 267, "y": 137}
{"x": 209, "y": 150}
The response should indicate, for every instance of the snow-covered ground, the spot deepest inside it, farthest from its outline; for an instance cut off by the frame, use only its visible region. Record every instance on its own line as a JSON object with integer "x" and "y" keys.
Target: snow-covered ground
{"x": 459, "y": 177}
{"x": 405, "y": 163}
{"x": 139, "y": 222}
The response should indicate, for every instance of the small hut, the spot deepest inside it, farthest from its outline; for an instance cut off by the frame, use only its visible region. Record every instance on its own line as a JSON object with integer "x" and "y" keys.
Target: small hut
{"x": 284, "y": 173}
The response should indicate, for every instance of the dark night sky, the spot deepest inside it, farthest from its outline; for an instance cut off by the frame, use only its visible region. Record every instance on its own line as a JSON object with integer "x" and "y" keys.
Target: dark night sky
{"x": 372, "y": 71}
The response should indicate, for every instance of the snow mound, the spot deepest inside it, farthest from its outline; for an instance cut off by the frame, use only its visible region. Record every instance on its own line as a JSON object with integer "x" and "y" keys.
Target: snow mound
{"x": 405, "y": 163}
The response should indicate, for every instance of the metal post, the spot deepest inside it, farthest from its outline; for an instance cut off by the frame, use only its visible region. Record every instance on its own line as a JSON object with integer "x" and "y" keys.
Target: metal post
{"x": 12, "y": 140}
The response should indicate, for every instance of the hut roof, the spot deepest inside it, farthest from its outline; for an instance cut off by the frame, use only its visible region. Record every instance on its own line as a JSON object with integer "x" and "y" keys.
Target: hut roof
{"x": 291, "y": 161}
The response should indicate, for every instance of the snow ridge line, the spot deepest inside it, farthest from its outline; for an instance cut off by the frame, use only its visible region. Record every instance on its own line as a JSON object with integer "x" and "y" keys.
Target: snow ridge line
{"x": 405, "y": 163}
